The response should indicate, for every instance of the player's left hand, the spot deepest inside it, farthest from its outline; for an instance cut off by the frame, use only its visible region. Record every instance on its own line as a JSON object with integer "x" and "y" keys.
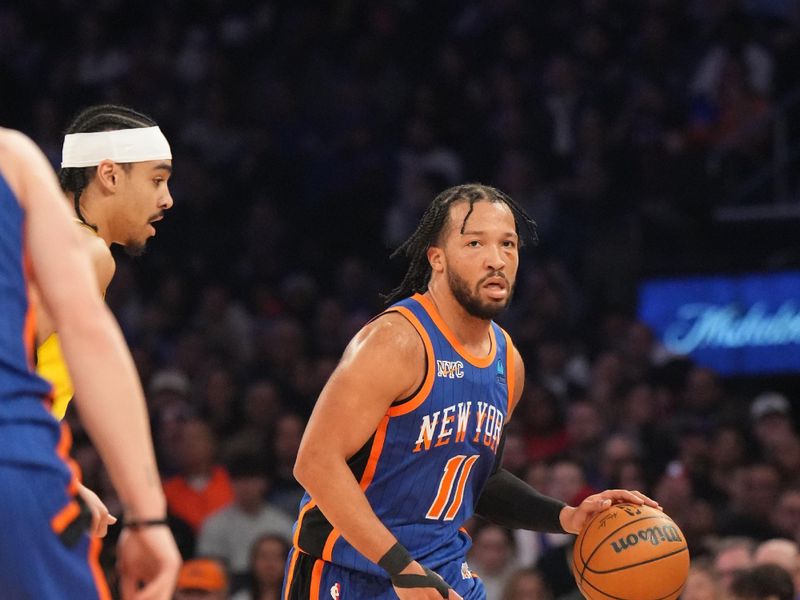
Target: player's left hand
{"x": 147, "y": 562}
{"x": 101, "y": 518}
{"x": 573, "y": 518}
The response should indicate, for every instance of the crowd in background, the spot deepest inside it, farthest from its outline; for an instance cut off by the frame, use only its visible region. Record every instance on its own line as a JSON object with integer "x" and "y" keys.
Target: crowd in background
{"x": 308, "y": 139}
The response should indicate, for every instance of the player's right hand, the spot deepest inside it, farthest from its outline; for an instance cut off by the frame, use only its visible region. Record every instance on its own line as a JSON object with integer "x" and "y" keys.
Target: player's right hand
{"x": 148, "y": 562}
{"x": 435, "y": 592}
{"x": 101, "y": 518}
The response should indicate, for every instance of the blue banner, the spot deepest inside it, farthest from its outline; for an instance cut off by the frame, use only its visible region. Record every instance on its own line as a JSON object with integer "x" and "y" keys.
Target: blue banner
{"x": 736, "y": 325}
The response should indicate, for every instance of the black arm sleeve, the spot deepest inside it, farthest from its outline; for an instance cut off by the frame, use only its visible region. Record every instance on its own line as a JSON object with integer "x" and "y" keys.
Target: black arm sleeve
{"x": 510, "y": 502}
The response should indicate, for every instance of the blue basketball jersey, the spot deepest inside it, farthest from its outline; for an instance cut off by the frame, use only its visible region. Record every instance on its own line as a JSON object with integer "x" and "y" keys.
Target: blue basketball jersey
{"x": 44, "y": 552}
{"x": 22, "y": 392}
{"x": 432, "y": 453}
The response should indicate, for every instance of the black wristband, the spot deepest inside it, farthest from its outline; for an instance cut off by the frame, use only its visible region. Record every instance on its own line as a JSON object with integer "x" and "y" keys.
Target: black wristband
{"x": 145, "y": 523}
{"x": 429, "y": 580}
{"x": 395, "y": 560}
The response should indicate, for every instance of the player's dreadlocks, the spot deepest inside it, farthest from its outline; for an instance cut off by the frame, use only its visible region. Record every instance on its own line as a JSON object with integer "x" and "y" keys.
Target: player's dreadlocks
{"x": 430, "y": 228}
{"x": 103, "y": 117}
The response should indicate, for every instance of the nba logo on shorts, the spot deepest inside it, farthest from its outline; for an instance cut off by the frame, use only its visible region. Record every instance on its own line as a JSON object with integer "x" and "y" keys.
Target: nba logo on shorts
{"x": 465, "y": 572}
{"x": 335, "y": 589}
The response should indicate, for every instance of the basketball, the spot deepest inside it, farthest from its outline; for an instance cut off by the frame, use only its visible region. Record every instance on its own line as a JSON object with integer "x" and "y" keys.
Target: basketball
{"x": 630, "y": 552}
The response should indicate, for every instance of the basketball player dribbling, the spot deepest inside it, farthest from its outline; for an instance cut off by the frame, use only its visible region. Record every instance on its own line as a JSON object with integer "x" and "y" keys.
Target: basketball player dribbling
{"x": 115, "y": 168}
{"x": 405, "y": 441}
{"x": 44, "y": 549}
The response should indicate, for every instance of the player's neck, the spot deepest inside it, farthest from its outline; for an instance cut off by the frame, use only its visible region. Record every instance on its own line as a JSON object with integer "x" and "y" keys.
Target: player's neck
{"x": 471, "y": 331}
{"x": 93, "y": 214}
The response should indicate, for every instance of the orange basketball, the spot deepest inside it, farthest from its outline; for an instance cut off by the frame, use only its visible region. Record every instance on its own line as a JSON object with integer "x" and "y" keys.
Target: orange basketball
{"x": 630, "y": 552}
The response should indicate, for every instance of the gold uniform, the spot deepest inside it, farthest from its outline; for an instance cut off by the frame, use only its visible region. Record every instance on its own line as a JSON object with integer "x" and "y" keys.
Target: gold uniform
{"x": 51, "y": 366}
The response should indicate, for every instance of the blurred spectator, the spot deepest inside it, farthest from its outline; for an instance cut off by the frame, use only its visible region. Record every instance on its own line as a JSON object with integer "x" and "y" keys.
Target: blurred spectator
{"x": 168, "y": 387}
{"x": 564, "y": 479}
{"x": 201, "y": 579}
{"x": 555, "y": 565}
{"x": 781, "y": 552}
{"x": 607, "y": 379}
{"x": 492, "y": 557}
{"x": 558, "y": 371}
{"x": 754, "y": 488}
{"x": 643, "y": 417}
{"x": 202, "y": 486}
{"x": 728, "y": 449}
{"x": 265, "y": 569}
{"x": 643, "y": 350}
{"x": 514, "y": 454}
{"x": 560, "y": 111}
{"x": 526, "y": 584}
{"x": 731, "y": 556}
{"x": 771, "y": 416}
{"x": 542, "y": 416}
{"x": 262, "y": 404}
{"x": 424, "y": 164}
{"x": 703, "y": 395}
{"x": 286, "y": 493}
{"x": 229, "y": 533}
{"x": 675, "y": 492}
{"x": 225, "y": 324}
{"x": 785, "y": 518}
{"x": 281, "y": 346}
{"x": 567, "y": 481}
{"x": 218, "y": 401}
{"x": 701, "y": 583}
{"x": 618, "y": 450}
{"x": 762, "y": 582}
{"x": 586, "y": 428}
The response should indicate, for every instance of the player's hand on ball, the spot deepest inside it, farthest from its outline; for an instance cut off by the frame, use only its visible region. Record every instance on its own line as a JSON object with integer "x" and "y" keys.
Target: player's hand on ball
{"x": 148, "y": 562}
{"x": 408, "y": 585}
{"x": 101, "y": 518}
{"x": 574, "y": 518}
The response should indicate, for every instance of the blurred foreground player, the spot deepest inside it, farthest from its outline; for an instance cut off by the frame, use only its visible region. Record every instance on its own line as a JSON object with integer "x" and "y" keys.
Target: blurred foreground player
{"x": 44, "y": 549}
{"x": 405, "y": 441}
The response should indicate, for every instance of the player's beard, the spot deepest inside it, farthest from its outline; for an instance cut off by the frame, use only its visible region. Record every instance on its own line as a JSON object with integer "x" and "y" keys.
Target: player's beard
{"x": 134, "y": 248}
{"x": 471, "y": 300}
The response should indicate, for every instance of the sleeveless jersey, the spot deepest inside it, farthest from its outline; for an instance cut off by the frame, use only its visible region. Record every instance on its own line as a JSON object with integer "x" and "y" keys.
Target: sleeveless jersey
{"x": 22, "y": 392}
{"x": 432, "y": 453}
{"x": 50, "y": 365}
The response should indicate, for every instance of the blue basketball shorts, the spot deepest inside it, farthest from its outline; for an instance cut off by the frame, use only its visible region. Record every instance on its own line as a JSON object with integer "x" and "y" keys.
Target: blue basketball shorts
{"x": 45, "y": 550}
{"x": 309, "y": 578}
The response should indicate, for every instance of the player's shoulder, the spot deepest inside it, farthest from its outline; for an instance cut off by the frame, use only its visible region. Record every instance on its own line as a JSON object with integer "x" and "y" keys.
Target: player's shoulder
{"x": 15, "y": 149}
{"x": 12, "y": 137}
{"x": 21, "y": 161}
{"x": 100, "y": 255}
{"x": 391, "y": 325}
{"x": 390, "y": 333}
{"x": 15, "y": 145}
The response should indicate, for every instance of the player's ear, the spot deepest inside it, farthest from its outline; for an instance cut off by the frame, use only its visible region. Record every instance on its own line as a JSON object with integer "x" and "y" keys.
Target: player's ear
{"x": 436, "y": 258}
{"x": 106, "y": 175}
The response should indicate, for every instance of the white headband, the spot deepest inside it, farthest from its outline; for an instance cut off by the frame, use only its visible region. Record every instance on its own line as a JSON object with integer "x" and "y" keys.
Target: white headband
{"x": 122, "y": 146}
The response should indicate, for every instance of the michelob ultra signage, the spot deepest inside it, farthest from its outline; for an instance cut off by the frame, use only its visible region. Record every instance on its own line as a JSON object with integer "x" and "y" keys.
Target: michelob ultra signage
{"x": 746, "y": 324}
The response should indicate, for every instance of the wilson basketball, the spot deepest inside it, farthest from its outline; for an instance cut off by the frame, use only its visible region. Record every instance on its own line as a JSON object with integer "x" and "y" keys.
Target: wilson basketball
{"x": 630, "y": 552}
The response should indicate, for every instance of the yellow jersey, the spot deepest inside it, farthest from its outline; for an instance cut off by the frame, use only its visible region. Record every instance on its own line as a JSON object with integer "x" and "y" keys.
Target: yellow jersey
{"x": 51, "y": 366}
